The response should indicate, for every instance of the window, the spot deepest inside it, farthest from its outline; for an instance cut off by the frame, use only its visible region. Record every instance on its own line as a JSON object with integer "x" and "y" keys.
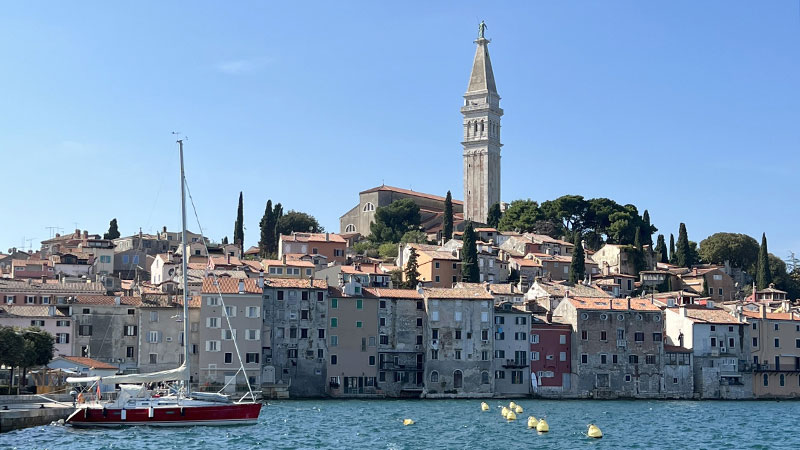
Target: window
{"x": 62, "y": 338}
{"x": 534, "y": 356}
{"x": 212, "y": 301}
{"x": 603, "y": 359}
{"x": 153, "y": 337}
{"x": 434, "y": 377}
{"x": 45, "y": 300}
{"x": 796, "y": 343}
{"x": 384, "y": 339}
{"x": 153, "y": 358}
{"x": 303, "y": 333}
{"x": 731, "y": 342}
{"x": 485, "y": 335}
{"x": 562, "y": 339}
{"x": 627, "y": 378}
{"x": 419, "y": 321}
{"x": 484, "y": 377}
{"x": 334, "y": 303}
{"x": 253, "y": 311}
{"x": 86, "y": 311}
{"x": 766, "y": 379}
{"x": 212, "y": 346}
{"x": 457, "y": 354}
{"x": 434, "y": 333}
{"x": 230, "y": 311}
{"x": 372, "y": 360}
{"x": 657, "y": 337}
{"x": 458, "y": 379}
{"x": 83, "y": 330}
{"x": 713, "y": 328}
{"x": 435, "y": 316}
{"x": 614, "y": 359}
{"x": 603, "y": 336}
{"x": 520, "y": 336}
{"x": 334, "y": 340}
{"x": 584, "y": 335}
{"x": 280, "y": 295}
{"x": 562, "y": 356}
{"x": 320, "y": 296}
{"x": 484, "y": 355}
{"x": 359, "y": 304}
{"x": 777, "y": 342}
{"x": 458, "y": 316}
{"x": 633, "y": 359}
{"x": 212, "y": 322}
{"x": 9, "y": 299}
{"x": 534, "y": 339}
{"x": 434, "y": 354}
{"x": 436, "y": 264}
{"x": 458, "y": 334}
{"x": 638, "y": 336}
{"x": 650, "y": 359}
{"x": 782, "y": 380}
{"x": 359, "y": 324}
{"x": 499, "y": 336}
{"x": 584, "y": 358}
{"x": 129, "y": 352}
{"x": 369, "y": 206}
{"x": 372, "y": 341}
{"x": 334, "y": 322}
{"x": 484, "y": 316}
{"x": 516, "y": 377}
{"x": 63, "y": 323}
{"x": 228, "y": 358}
{"x": 713, "y": 342}
{"x": 755, "y": 342}
{"x": 776, "y": 326}
{"x": 251, "y": 358}
{"x": 334, "y": 360}
{"x": 499, "y": 354}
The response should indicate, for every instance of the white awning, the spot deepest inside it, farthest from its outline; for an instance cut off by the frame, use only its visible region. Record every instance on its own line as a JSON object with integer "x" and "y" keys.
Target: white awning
{"x": 179, "y": 373}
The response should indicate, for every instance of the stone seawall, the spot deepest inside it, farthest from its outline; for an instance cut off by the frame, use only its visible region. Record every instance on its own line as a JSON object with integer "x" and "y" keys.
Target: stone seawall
{"x": 16, "y": 418}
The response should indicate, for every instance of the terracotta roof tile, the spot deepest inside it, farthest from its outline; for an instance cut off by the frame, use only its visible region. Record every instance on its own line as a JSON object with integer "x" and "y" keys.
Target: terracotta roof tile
{"x": 393, "y": 293}
{"x": 458, "y": 293}
{"x": 313, "y": 237}
{"x": 295, "y": 283}
{"x": 772, "y": 315}
{"x": 213, "y": 285}
{"x": 29, "y": 311}
{"x": 703, "y": 314}
{"x": 409, "y": 192}
{"x": 637, "y": 304}
{"x": 107, "y": 300}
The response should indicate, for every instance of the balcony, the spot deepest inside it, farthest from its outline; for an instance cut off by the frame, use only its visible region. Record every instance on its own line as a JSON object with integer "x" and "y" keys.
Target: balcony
{"x": 622, "y": 343}
{"x": 515, "y": 364}
{"x": 389, "y": 365}
{"x": 773, "y": 368}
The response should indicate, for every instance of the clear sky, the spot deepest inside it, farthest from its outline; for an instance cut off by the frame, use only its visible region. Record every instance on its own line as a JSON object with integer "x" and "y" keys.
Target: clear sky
{"x": 689, "y": 109}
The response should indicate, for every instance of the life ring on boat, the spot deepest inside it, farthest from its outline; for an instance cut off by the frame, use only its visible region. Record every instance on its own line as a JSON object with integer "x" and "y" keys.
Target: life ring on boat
{"x": 80, "y": 398}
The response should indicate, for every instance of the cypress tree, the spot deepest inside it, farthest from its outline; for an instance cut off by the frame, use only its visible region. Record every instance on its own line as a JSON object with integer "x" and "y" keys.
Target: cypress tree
{"x": 671, "y": 248}
{"x": 577, "y": 268}
{"x": 238, "y": 227}
{"x": 763, "y": 277}
{"x": 267, "y": 226}
{"x": 493, "y": 217}
{"x": 683, "y": 253}
{"x": 225, "y": 240}
{"x": 113, "y": 231}
{"x": 706, "y": 289}
{"x": 647, "y": 237}
{"x": 447, "y": 218}
{"x": 661, "y": 249}
{"x": 469, "y": 256}
{"x": 411, "y": 272}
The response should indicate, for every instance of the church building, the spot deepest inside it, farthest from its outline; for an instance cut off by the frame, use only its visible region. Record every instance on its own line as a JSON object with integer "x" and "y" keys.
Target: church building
{"x": 482, "y": 113}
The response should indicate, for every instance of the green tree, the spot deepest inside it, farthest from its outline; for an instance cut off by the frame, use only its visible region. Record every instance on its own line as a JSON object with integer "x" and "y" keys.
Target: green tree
{"x": 113, "y": 231}
{"x": 414, "y": 237}
{"x": 412, "y": 270}
{"x": 661, "y": 249}
{"x": 470, "y": 272}
{"x": 706, "y": 288}
{"x": 570, "y": 211}
{"x": 38, "y": 349}
{"x": 577, "y": 268}
{"x": 521, "y": 216}
{"x": 447, "y": 218}
{"x": 238, "y": 227}
{"x": 225, "y": 240}
{"x": 683, "y": 252}
{"x": 387, "y": 250}
{"x": 267, "y": 226}
{"x": 494, "y": 215}
{"x": 396, "y": 276}
{"x": 647, "y": 230}
{"x": 12, "y": 348}
{"x": 740, "y": 250}
{"x": 671, "y": 248}
{"x": 296, "y": 222}
{"x": 394, "y": 220}
{"x": 764, "y": 275}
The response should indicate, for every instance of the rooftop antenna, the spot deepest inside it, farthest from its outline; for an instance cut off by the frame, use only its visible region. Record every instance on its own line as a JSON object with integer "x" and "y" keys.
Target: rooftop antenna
{"x": 54, "y": 230}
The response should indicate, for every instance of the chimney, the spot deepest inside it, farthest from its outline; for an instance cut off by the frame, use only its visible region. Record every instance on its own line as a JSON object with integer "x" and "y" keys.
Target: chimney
{"x": 762, "y": 311}
{"x": 683, "y": 311}
{"x": 164, "y": 229}
{"x": 284, "y": 258}
{"x": 51, "y": 311}
{"x": 628, "y": 300}
{"x": 327, "y": 237}
{"x": 85, "y": 234}
{"x": 549, "y": 316}
{"x": 117, "y": 301}
{"x": 241, "y": 286}
{"x": 229, "y": 258}
{"x": 261, "y": 279}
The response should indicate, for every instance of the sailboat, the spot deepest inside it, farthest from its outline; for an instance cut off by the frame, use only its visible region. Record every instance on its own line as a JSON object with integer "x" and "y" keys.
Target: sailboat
{"x": 172, "y": 404}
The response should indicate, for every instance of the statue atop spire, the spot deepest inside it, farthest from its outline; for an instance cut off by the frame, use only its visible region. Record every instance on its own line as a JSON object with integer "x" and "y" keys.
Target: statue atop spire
{"x": 481, "y": 30}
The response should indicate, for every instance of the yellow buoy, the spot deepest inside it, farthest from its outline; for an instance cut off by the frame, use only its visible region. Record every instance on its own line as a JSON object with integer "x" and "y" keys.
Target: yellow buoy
{"x": 484, "y": 406}
{"x": 511, "y": 416}
{"x": 408, "y": 422}
{"x": 518, "y": 409}
{"x": 504, "y": 412}
{"x": 512, "y": 405}
{"x": 542, "y": 426}
{"x": 594, "y": 431}
{"x": 532, "y": 422}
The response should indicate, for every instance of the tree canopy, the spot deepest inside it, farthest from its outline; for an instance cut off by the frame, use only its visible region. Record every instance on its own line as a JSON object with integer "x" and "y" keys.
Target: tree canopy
{"x": 661, "y": 249}
{"x": 268, "y": 244}
{"x": 394, "y": 220}
{"x": 683, "y": 253}
{"x": 740, "y": 250}
{"x": 113, "y": 230}
{"x": 296, "y": 221}
{"x": 494, "y": 215}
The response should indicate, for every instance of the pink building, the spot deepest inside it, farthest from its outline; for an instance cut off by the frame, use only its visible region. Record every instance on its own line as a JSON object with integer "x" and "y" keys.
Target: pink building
{"x": 550, "y": 355}
{"x": 47, "y": 318}
{"x": 32, "y": 268}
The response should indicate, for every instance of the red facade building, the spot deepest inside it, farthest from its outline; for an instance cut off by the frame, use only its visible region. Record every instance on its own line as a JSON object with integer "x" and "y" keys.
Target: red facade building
{"x": 550, "y": 355}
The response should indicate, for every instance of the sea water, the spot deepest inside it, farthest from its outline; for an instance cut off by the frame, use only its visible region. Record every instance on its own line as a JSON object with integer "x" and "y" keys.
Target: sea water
{"x": 456, "y": 424}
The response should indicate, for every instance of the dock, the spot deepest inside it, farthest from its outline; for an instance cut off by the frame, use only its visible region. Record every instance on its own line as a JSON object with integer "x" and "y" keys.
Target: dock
{"x": 23, "y": 411}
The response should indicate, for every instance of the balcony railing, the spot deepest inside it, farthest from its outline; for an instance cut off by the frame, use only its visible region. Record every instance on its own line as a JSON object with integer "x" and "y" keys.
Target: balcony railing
{"x": 773, "y": 368}
{"x": 515, "y": 363}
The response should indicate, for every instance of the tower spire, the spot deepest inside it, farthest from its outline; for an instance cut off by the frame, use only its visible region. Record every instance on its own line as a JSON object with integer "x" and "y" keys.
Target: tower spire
{"x": 481, "y": 143}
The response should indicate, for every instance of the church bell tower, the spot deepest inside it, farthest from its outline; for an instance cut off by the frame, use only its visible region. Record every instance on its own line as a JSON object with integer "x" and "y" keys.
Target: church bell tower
{"x": 482, "y": 114}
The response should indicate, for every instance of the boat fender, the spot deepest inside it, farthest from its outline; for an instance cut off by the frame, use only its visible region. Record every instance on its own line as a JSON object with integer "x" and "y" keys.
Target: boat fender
{"x": 484, "y": 406}
{"x": 150, "y": 412}
{"x": 124, "y": 415}
{"x": 105, "y": 412}
{"x": 183, "y": 411}
{"x": 85, "y": 413}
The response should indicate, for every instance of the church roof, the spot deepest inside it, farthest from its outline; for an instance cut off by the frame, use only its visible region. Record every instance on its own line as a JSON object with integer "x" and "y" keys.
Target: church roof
{"x": 410, "y": 193}
{"x": 482, "y": 77}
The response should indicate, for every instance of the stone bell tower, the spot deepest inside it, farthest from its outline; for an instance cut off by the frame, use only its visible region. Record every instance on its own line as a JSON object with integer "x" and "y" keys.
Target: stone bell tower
{"x": 482, "y": 114}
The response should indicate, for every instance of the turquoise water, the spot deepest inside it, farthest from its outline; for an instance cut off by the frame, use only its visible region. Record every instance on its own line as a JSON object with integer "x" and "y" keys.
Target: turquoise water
{"x": 377, "y": 424}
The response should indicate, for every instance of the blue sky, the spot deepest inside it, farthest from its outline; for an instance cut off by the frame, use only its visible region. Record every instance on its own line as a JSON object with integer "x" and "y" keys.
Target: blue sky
{"x": 688, "y": 109}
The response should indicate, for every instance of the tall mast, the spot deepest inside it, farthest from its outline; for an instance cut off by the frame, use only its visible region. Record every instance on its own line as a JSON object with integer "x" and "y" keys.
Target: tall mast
{"x": 184, "y": 256}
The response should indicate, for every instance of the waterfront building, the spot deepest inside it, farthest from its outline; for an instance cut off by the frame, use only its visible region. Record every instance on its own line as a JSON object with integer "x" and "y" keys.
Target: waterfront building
{"x": 243, "y": 304}
{"x": 47, "y": 318}
{"x": 548, "y": 294}
{"x": 717, "y": 341}
{"x": 288, "y": 268}
{"x": 367, "y": 275}
{"x": 353, "y": 354}
{"x": 103, "y": 327}
{"x": 510, "y": 369}
{"x": 774, "y": 352}
{"x": 37, "y": 292}
{"x": 401, "y": 346}
{"x": 160, "y": 334}
{"x": 617, "y": 348}
{"x": 459, "y": 337}
{"x": 551, "y": 356}
{"x": 330, "y": 245}
{"x": 295, "y": 337}
{"x": 678, "y": 372}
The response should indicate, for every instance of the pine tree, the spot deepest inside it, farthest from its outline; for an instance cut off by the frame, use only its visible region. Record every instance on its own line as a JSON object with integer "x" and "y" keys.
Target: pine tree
{"x": 577, "y": 268}
{"x": 267, "y": 226}
{"x": 683, "y": 253}
{"x": 494, "y": 215}
{"x": 661, "y": 249}
{"x": 238, "y": 228}
{"x": 447, "y": 218}
{"x": 763, "y": 277}
{"x": 113, "y": 231}
{"x": 411, "y": 271}
{"x": 469, "y": 256}
{"x": 647, "y": 237}
{"x": 671, "y": 248}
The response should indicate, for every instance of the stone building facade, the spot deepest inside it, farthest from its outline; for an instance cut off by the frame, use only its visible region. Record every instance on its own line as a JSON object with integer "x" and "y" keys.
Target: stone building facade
{"x": 103, "y": 330}
{"x": 160, "y": 334}
{"x": 551, "y": 357}
{"x": 618, "y": 346}
{"x": 401, "y": 348}
{"x": 512, "y": 376}
{"x": 459, "y": 339}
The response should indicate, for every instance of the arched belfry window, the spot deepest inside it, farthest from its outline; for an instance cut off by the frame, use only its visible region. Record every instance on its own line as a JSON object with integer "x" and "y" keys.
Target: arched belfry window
{"x": 476, "y": 126}
{"x": 481, "y": 125}
{"x": 350, "y": 228}
{"x": 369, "y": 207}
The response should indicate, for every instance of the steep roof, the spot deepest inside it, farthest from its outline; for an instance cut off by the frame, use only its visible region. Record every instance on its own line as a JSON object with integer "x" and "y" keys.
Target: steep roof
{"x": 482, "y": 76}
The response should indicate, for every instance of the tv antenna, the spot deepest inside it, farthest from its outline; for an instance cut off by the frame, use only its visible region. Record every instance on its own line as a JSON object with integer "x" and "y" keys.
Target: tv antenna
{"x": 54, "y": 230}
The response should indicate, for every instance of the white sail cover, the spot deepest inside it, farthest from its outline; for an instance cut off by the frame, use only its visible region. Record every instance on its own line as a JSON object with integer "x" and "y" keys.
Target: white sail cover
{"x": 179, "y": 373}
